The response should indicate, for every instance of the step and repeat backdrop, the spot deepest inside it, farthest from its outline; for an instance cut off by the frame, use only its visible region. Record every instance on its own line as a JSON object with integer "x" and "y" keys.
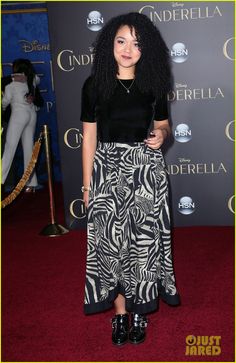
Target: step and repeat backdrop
{"x": 200, "y": 154}
{"x": 25, "y": 35}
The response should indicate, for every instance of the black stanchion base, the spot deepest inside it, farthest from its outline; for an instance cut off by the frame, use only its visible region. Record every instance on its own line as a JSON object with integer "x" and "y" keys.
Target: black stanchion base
{"x": 53, "y": 230}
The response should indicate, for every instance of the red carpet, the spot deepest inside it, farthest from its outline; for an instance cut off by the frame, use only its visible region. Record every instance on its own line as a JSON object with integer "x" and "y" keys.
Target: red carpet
{"x": 43, "y": 287}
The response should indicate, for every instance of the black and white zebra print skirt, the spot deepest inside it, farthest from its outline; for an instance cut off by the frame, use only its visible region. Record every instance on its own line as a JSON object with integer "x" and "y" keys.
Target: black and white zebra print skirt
{"x": 129, "y": 241}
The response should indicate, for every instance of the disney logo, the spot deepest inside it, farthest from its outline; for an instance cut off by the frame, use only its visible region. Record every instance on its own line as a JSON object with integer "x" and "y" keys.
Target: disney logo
{"x": 183, "y": 160}
{"x": 179, "y": 85}
{"x": 176, "y": 4}
{"x": 32, "y": 46}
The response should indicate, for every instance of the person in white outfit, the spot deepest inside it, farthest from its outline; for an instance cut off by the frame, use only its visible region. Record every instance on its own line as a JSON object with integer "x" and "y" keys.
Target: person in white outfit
{"x": 20, "y": 95}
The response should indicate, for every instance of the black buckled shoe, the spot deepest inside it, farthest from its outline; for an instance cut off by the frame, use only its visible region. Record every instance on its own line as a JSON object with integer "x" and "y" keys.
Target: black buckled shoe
{"x": 137, "y": 331}
{"x": 120, "y": 329}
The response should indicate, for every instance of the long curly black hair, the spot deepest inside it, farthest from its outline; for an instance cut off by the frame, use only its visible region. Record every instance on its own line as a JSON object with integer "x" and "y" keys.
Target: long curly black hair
{"x": 22, "y": 65}
{"x": 152, "y": 72}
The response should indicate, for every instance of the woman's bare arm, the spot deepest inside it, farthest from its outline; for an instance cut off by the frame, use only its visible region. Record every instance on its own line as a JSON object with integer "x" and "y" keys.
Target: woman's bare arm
{"x": 89, "y": 145}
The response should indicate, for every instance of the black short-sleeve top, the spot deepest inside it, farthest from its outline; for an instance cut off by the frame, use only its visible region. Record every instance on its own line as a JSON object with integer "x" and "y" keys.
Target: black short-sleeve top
{"x": 125, "y": 117}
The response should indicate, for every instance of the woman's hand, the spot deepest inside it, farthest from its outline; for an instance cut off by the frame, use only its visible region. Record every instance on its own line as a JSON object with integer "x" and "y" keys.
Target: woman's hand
{"x": 29, "y": 99}
{"x": 86, "y": 198}
{"x": 155, "y": 141}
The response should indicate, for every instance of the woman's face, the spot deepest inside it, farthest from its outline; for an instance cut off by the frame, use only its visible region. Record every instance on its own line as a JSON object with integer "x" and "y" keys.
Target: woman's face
{"x": 126, "y": 48}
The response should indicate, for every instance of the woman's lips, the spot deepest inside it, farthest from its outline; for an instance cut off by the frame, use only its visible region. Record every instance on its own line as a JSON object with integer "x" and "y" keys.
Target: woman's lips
{"x": 126, "y": 57}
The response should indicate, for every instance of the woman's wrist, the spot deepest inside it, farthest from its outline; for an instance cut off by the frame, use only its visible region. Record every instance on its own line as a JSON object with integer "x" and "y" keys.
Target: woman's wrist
{"x": 165, "y": 133}
{"x": 85, "y": 189}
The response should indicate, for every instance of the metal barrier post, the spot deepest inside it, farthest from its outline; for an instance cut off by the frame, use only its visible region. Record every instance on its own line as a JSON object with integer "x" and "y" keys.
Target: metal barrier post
{"x": 53, "y": 229}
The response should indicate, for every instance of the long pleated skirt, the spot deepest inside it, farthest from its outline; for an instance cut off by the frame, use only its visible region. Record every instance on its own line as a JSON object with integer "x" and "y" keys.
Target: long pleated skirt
{"x": 129, "y": 240}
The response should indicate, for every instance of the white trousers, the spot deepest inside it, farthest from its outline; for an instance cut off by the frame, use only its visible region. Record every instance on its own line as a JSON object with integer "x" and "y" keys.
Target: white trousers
{"x": 21, "y": 125}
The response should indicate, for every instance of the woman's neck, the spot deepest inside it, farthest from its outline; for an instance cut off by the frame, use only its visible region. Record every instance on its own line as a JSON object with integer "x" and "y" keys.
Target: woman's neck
{"x": 126, "y": 74}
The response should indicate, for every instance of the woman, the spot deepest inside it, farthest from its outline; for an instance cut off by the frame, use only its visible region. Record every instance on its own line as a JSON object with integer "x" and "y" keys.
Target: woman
{"x": 20, "y": 94}
{"x": 125, "y": 188}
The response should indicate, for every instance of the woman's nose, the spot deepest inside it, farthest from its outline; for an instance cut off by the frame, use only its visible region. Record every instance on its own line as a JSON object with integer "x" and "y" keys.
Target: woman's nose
{"x": 127, "y": 47}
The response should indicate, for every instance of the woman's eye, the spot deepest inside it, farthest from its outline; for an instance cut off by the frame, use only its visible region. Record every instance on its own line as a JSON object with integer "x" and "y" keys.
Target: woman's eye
{"x": 120, "y": 41}
{"x": 137, "y": 45}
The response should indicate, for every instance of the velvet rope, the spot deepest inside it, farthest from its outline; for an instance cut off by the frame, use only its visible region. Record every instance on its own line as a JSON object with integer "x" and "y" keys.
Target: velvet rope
{"x": 26, "y": 175}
